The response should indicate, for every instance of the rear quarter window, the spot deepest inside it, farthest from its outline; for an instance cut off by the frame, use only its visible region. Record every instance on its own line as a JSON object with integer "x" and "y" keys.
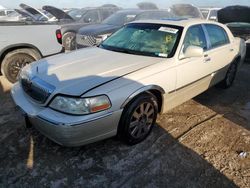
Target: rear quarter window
{"x": 217, "y": 35}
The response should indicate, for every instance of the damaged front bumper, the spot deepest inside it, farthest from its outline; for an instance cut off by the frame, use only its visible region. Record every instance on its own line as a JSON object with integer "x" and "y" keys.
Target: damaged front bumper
{"x": 66, "y": 129}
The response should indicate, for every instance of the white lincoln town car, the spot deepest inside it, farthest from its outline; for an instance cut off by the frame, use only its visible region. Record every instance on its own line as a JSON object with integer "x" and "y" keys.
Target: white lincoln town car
{"x": 118, "y": 88}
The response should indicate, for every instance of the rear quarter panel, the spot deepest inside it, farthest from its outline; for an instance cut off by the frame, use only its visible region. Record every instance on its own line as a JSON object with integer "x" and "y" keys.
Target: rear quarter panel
{"x": 43, "y": 37}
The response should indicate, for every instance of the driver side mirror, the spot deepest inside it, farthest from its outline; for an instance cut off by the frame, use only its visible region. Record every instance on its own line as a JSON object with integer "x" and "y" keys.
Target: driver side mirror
{"x": 193, "y": 51}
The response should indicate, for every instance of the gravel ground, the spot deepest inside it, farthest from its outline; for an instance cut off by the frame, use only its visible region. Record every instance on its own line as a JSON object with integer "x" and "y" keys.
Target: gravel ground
{"x": 197, "y": 144}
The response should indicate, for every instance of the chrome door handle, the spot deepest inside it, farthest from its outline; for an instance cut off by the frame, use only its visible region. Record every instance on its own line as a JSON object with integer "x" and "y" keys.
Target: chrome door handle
{"x": 207, "y": 59}
{"x": 231, "y": 50}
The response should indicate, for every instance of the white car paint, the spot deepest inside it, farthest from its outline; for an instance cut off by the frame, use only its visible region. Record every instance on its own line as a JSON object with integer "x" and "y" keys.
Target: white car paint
{"x": 93, "y": 72}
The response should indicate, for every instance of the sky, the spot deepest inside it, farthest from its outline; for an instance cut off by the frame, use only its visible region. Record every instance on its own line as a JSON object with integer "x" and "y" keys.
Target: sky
{"x": 122, "y": 3}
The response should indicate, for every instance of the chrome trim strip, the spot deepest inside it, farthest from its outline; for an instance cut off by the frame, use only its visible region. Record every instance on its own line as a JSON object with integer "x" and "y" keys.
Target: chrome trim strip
{"x": 199, "y": 79}
{"x": 180, "y": 88}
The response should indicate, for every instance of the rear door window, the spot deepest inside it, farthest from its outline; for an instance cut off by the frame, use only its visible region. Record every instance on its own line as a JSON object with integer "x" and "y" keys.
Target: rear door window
{"x": 217, "y": 35}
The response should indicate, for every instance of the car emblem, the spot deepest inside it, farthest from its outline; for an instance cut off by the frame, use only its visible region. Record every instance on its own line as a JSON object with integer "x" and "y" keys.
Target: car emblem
{"x": 84, "y": 37}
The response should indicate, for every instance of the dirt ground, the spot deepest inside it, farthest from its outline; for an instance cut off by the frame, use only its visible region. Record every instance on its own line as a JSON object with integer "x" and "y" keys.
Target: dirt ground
{"x": 198, "y": 144}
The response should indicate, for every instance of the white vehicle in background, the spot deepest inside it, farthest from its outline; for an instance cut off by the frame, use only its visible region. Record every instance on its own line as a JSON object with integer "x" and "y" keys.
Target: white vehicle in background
{"x": 210, "y": 13}
{"x": 33, "y": 36}
{"x": 22, "y": 43}
{"x": 5, "y": 12}
{"x": 15, "y": 16}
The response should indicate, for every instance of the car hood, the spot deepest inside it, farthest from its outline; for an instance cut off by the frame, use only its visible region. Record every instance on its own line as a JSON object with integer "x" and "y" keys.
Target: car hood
{"x": 58, "y": 13}
{"x": 98, "y": 29}
{"x": 77, "y": 72}
{"x": 234, "y": 14}
{"x": 32, "y": 10}
{"x": 25, "y": 14}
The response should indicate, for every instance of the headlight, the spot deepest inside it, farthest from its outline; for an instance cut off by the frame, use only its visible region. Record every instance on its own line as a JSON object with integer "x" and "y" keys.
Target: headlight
{"x": 80, "y": 106}
{"x": 101, "y": 38}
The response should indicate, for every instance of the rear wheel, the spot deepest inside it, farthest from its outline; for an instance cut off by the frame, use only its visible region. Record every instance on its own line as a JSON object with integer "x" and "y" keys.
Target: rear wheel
{"x": 230, "y": 76}
{"x": 14, "y": 61}
{"x": 69, "y": 41}
{"x": 138, "y": 119}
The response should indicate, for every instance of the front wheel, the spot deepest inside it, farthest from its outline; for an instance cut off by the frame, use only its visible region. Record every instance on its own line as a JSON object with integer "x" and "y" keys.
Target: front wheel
{"x": 14, "y": 61}
{"x": 230, "y": 76}
{"x": 138, "y": 119}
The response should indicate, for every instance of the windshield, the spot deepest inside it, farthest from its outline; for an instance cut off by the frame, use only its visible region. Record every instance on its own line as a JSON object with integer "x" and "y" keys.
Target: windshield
{"x": 77, "y": 14}
{"x": 145, "y": 39}
{"x": 120, "y": 18}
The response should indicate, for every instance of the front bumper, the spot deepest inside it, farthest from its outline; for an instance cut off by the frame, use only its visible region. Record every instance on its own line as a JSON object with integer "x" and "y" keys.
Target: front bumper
{"x": 65, "y": 129}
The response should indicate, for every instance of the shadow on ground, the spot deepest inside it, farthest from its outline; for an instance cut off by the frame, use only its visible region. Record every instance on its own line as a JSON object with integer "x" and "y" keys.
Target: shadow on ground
{"x": 31, "y": 159}
{"x": 28, "y": 158}
{"x": 232, "y": 103}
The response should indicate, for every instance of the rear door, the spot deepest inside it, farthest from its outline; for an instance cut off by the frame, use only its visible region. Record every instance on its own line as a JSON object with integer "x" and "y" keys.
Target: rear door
{"x": 220, "y": 52}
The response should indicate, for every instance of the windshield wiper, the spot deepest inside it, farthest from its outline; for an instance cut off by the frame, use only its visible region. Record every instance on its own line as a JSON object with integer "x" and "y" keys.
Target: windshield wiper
{"x": 117, "y": 49}
{"x": 127, "y": 51}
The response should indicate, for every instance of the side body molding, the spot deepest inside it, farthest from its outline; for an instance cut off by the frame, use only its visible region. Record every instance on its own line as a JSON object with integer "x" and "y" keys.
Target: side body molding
{"x": 142, "y": 90}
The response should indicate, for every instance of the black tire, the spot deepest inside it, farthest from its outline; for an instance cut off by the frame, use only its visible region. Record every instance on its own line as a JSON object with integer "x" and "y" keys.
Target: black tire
{"x": 136, "y": 123}
{"x": 69, "y": 41}
{"x": 228, "y": 81}
{"x": 15, "y": 60}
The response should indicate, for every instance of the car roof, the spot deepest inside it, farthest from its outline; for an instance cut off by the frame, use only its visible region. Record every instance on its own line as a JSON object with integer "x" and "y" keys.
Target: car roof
{"x": 139, "y": 11}
{"x": 129, "y": 11}
{"x": 99, "y": 8}
{"x": 182, "y": 22}
{"x": 204, "y": 8}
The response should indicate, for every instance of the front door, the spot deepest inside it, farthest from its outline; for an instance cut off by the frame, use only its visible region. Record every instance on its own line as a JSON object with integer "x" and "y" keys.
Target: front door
{"x": 190, "y": 70}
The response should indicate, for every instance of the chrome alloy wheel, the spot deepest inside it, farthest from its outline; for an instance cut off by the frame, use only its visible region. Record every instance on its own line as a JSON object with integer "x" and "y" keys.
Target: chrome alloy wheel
{"x": 142, "y": 120}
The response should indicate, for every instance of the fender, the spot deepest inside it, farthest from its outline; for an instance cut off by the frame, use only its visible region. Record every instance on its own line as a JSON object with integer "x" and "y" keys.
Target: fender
{"x": 16, "y": 46}
{"x": 142, "y": 90}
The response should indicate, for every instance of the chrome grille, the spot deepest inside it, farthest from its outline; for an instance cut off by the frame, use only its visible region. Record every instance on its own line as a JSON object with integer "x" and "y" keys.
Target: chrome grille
{"x": 37, "y": 89}
{"x": 86, "y": 40}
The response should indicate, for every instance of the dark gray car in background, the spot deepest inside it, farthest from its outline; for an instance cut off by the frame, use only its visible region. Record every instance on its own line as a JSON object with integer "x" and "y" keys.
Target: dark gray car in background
{"x": 83, "y": 17}
{"x": 93, "y": 35}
